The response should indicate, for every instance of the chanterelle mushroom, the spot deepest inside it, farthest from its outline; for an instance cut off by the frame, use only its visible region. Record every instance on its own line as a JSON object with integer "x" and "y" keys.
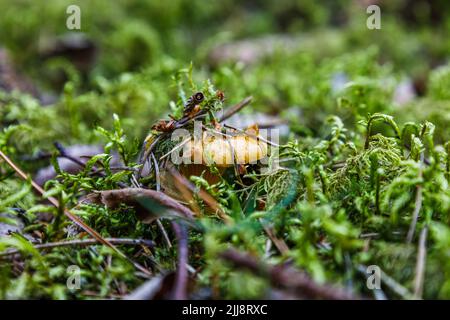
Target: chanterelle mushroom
{"x": 200, "y": 150}
{"x": 226, "y": 150}
{"x": 218, "y": 150}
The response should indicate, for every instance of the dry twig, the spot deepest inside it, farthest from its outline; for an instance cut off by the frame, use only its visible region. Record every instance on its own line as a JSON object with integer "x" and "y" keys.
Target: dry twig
{"x": 182, "y": 183}
{"x": 235, "y": 109}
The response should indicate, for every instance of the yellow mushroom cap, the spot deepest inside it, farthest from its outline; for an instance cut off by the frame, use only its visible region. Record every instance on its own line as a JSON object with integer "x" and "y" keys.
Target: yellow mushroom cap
{"x": 225, "y": 151}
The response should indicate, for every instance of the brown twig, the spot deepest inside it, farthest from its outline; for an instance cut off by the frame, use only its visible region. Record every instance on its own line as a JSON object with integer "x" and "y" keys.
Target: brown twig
{"x": 83, "y": 242}
{"x": 164, "y": 233}
{"x": 279, "y": 243}
{"x": 234, "y": 109}
{"x": 184, "y": 188}
{"x": 64, "y": 154}
{"x": 286, "y": 277}
{"x": 71, "y": 216}
{"x": 205, "y": 196}
{"x": 130, "y": 196}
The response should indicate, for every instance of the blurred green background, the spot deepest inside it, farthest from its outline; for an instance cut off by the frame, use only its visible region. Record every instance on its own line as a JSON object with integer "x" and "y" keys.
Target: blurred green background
{"x": 314, "y": 56}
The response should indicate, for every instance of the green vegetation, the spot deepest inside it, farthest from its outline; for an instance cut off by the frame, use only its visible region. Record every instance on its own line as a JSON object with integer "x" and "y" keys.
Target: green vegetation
{"x": 364, "y": 174}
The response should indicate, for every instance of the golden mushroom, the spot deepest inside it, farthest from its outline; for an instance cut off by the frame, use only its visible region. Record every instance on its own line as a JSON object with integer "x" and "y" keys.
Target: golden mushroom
{"x": 217, "y": 149}
{"x": 227, "y": 150}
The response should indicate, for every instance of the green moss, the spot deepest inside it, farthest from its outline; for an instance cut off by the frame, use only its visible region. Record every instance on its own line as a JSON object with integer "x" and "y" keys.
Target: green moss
{"x": 351, "y": 163}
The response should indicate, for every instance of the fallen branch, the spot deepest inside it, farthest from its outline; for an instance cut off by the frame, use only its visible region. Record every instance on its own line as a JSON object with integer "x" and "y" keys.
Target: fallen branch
{"x": 286, "y": 277}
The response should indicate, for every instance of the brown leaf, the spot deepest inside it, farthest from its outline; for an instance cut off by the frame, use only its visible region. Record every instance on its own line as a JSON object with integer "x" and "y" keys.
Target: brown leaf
{"x": 136, "y": 198}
